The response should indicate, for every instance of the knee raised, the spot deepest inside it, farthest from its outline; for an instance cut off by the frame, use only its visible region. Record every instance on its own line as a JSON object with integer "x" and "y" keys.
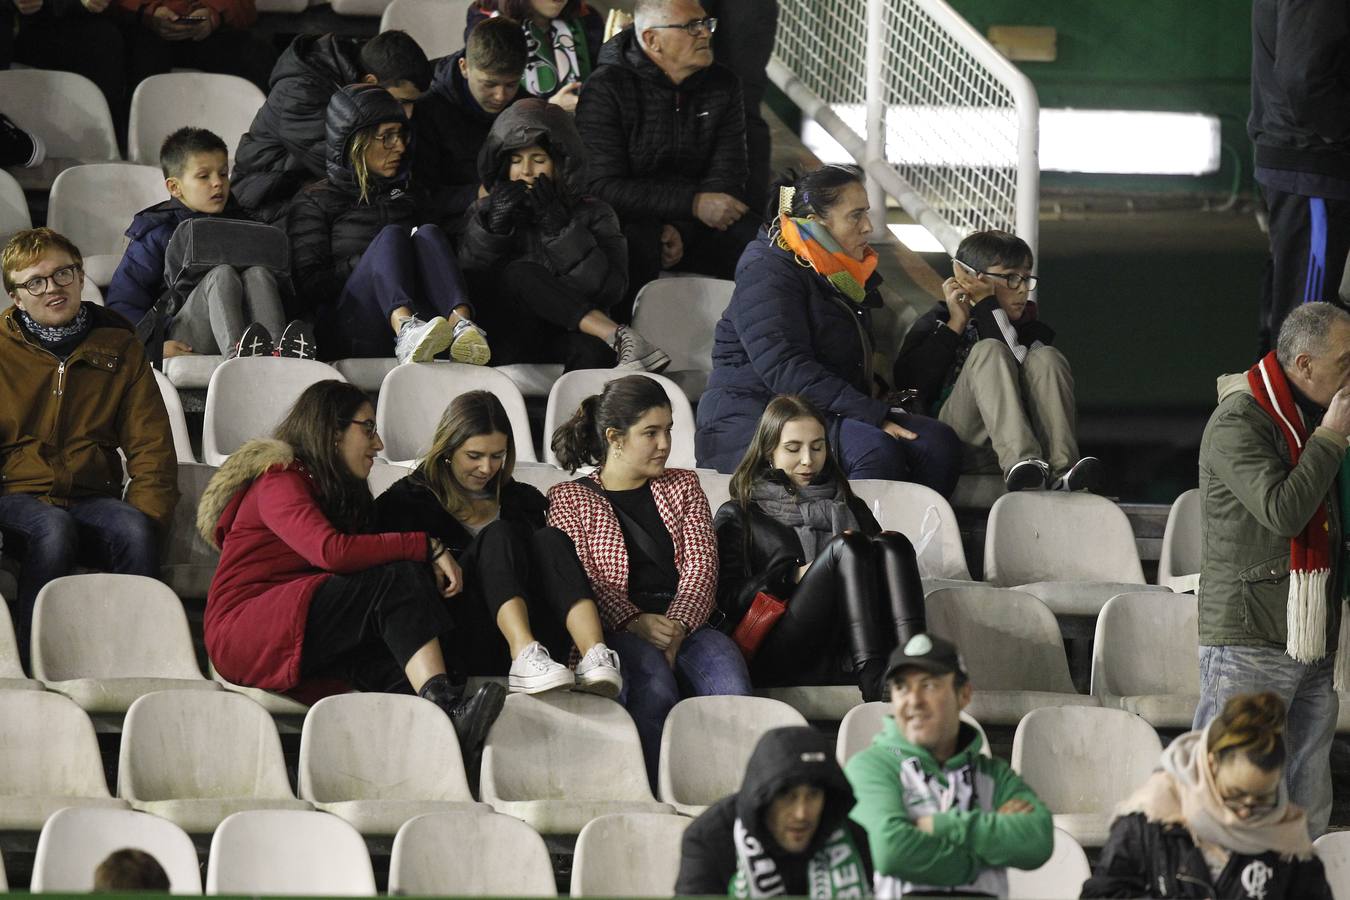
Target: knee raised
{"x": 894, "y": 543}
{"x": 1046, "y": 359}
{"x": 991, "y": 351}
{"x": 54, "y": 533}
{"x": 222, "y": 276}
{"x": 851, "y": 543}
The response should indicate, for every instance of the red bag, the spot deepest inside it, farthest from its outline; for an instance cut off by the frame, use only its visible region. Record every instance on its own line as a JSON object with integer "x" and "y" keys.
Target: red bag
{"x": 764, "y": 613}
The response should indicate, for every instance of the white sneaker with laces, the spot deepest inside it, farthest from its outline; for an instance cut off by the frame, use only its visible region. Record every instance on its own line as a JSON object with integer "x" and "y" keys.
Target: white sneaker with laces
{"x": 420, "y": 341}
{"x": 469, "y": 344}
{"x": 598, "y": 672}
{"x": 534, "y": 671}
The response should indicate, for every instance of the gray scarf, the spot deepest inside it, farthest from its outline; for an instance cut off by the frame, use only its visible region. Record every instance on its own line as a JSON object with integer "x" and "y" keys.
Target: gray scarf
{"x": 816, "y": 512}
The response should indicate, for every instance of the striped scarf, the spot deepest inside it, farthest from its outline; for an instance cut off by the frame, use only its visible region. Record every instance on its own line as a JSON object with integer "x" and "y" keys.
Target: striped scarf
{"x": 813, "y": 243}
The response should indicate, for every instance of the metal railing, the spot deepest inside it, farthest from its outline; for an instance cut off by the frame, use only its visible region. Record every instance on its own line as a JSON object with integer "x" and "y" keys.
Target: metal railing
{"x": 937, "y": 118}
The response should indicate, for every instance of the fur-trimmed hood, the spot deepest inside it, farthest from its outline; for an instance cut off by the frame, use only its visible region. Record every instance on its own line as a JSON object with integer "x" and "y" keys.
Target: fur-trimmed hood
{"x": 215, "y": 513}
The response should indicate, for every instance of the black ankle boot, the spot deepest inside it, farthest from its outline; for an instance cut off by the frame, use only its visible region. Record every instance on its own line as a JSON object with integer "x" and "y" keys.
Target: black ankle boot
{"x": 870, "y": 680}
{"x": 472, "y": 717}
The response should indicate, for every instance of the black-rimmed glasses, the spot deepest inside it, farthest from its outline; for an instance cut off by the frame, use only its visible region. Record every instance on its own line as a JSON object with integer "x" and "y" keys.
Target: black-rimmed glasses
{"x": 62, "y": 277}
{"x": 694, "y": 27}
{"x": 1011, "y": 279}
{"x": 367, "y": 425}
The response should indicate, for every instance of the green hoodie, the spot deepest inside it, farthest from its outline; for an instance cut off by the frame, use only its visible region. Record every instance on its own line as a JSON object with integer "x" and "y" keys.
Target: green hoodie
{"x": 896, "y": 783}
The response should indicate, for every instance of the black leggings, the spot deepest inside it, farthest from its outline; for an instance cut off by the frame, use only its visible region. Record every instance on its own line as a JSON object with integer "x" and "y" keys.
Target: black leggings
{"x": 868, "y": 588}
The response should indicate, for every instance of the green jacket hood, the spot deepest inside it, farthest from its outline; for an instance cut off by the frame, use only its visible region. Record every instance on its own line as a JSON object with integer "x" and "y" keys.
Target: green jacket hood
{"x": 1233, "y": 384}
{"x": 968, "y": 742}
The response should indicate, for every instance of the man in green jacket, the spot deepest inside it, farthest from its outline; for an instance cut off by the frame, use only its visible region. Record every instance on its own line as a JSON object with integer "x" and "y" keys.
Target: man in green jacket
{"x": 1271, "y": 565}
{"x": 940, "y": 817}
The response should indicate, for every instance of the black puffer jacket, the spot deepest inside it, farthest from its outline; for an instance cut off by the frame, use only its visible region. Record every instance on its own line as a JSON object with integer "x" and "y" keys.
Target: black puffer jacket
{"x": 451, "y": 129}
{"x": 1151, "y": 859}
{"x": 654, "y": 144}
{"x": 590, "y": 253}
{"x": 284, "y": 147}
{"x": 783, "y": 758}
{"x": 410, "y": 505}
{"x": 329, "y": 225}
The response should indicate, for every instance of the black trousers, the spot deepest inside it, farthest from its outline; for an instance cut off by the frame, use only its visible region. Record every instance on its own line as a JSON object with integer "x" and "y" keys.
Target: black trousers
{"x": 364, "y": 628}
{"x": 531, "y": 316}
{"x": 228, "y": 51}
{"x": 707, "y": 251}
{"x": 1309, "y": 242}
{"x": 861, "y": 596}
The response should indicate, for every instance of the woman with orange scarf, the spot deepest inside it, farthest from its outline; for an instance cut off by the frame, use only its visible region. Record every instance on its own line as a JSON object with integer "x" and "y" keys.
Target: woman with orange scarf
{"x": 799, "y": 322}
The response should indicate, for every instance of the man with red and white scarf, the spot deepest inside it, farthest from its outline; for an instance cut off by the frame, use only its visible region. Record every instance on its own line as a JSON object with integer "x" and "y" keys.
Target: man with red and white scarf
{"x": 1273, "y": 569}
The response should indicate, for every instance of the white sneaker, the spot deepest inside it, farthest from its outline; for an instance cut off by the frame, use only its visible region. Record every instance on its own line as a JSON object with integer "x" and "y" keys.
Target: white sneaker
{"x": 598, "y": 672}
{"x": 534, "y": 671}
{"x": 469, "y": 344}
{"x": 420, "y": 341}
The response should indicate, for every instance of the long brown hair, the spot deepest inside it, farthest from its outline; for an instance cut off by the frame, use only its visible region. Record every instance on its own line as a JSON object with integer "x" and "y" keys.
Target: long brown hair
{"x": 758, "y": 458}
{"x": 469, "y": 415}
{"x": 581, "y": 441}
{"x": 1251, "y": 724}
{"x": 313, "y": 428}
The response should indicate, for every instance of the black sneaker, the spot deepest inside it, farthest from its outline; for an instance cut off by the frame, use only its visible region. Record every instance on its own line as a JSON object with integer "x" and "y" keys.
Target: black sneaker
{"x": 255, "y": 341}
{"x": 297, "y": 341}
{"x": 1086, "y": 475}
{"x": 19, "y": 147}
{"x": 1027, "y": 475}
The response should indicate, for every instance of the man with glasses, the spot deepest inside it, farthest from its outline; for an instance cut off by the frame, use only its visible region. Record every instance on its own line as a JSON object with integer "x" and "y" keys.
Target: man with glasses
{"x": 665, "y": 126}
{"x": 75, "y": 388}
{"x": 981, "y": 361}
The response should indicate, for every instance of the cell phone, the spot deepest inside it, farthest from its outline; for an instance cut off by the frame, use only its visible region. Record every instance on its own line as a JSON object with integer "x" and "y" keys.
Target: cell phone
{"x": 967, "y": 269}
{"x": 190, "y": 20}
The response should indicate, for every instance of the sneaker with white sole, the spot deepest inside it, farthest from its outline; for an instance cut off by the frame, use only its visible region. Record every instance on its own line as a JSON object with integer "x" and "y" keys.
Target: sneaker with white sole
{"x": 534, "y": 671}
{"x": 255, "y": 341}
{"x": 598, "y": 672}
{"x": 1027, "y": 475}
{"x": 1086, "y": 475}
{"x": 420, "y": 341}
{"x": 297, "y": 342}
{"x": 469, "y": 344}
{"x": 637, "y": 353}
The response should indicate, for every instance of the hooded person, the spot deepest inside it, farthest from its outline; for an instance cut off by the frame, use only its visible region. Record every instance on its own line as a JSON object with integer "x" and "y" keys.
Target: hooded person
{"x": 545, "y": 260}
{"x": 786, "y": 831}
{"x": 376, "y": 280}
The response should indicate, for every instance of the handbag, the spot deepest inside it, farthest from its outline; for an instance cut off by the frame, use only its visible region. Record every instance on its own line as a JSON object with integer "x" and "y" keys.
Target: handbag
{"x": 764, "y": 612}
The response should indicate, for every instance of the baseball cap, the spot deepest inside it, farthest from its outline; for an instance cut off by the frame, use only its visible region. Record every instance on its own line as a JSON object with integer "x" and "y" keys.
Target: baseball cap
{"x": 929, "y": 653}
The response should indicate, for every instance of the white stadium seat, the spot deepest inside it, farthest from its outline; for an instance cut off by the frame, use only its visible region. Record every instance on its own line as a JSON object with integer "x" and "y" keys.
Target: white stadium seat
{"x": 66, "y": 110}
{"x": 436, "y": 25}
{"x": 161, "y": 104}
{"x": 93, "y": 205}
{"x": 74, "y": 841}
{"x": 1145, "y": 657}
{"x": 173, "y": 405}
{"x": 283, "y": 851}
{"x": 14, "y": 215}
{"x": 248, "y": 398}
{"x": 577, "y": 385}
{"x": 922, "y": 515}
{"x": 1333, "y": 849}
{"x": 495, "y": 856}
{"x": 1061, "y": 878}
{"x": 189, "y": 562}
{"x": 11, "y": 670}
{"x": 276, "y": 704}
{"x": 679, "y": 315}
{"x": 628, "y": 855}
{"x": 383, "y": 475}
{"x": 1179, "y": 562}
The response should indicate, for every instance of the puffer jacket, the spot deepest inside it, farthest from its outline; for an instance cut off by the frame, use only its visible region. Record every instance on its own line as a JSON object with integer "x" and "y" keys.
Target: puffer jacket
{"x": 138, "y": 282}
{"x": 654, "y": 144}
{"x": 783, "y": 758}
{"x": 62, "y": 423}
{"x": 451, "y": 129}
{"x": 590, "y": 253}
{"x": 284, "y": 147}
{"x": 786, "y": 331}
{"x": 329, "y": 225}
{"x": 1253, "y": 502}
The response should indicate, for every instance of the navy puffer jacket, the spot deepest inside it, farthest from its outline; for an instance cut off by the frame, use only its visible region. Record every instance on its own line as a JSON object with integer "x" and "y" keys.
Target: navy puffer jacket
{"x": 786, "y": 331}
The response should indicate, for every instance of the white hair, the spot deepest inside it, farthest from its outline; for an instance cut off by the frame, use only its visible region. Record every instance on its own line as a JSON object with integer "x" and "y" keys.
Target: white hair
{"x": 647, "y": 13}
{"x": 1307, "y": 330}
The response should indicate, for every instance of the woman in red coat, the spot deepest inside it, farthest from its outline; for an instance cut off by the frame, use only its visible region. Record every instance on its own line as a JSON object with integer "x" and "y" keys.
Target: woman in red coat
{"x": 302, "y": 595}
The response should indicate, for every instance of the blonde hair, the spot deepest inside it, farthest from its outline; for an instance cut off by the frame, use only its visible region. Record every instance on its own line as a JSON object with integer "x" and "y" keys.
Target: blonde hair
{"x": 1253, "y": 724}
{"x": 469, "y": 415}
{"x": 27, "y": 247}
{"x": 361, "y": 141}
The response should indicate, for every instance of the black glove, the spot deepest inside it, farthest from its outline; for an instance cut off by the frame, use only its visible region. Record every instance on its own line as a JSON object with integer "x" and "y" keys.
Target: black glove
{"x": 547, "y": 203}
{"x": 504, "y": 205}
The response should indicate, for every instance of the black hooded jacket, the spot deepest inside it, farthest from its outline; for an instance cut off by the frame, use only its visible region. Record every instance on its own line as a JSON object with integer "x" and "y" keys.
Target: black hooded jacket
{"x": 329, "y": 225}
{"x": 590, "y": 253}
{"x": 451, "y": 129}
{"x": 654, "y": 144}
{"x": 783, "y": 757}
{"x": 284, "y": 147}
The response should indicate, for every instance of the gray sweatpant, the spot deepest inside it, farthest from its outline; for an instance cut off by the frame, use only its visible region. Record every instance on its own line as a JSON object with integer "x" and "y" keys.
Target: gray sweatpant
{"x": 223, "y": 304}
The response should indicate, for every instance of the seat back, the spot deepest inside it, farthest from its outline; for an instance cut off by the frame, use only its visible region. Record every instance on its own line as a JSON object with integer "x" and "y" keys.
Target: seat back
{"x": 1147, "y": 643}
{"x": 377, "y": 746}
{"x": 436, "y": 25}
{"x": 1180, "y": 555}
{"x": 74, "y": 841}
{"x": 1333, "y": 849}
{"x": 161, "y": 104}
{"x": 1084, "y": 759}
{"x": 717, "y": 488}
{"x": 1061, "y": 878}
{"x": 93, "y": 205}
{"x": 862, "y": 724}
{"x": 628, "y": 855}
{"x": 541, "y": 477}
{"x": 413, "y": 398}
{"x": 680, "y": 315}
{"x": 79, "y": 126}
{"x": 248, "y": 398}
{"x": 575, "y": 386}
{"x": 707, "y": 742}
{"x": 10, "y": 666}
{"x": 288, "y": 851}
{"x": 1009, "y": 639}
{"x": 495, "y": 856}
{"x": 188, "y": 744}
{"x": 922, "y": 515}
{"x": 47, "y": 747}
{"x": 103, "y": 625}
{"x": 383, "y": 477}
{"x": 189, "y": 562}
{"x": 173, "y": 405}
{"x": 563, "y": 746}
{"x": 1056, "y": 536}
{"x": 14, "y": 215}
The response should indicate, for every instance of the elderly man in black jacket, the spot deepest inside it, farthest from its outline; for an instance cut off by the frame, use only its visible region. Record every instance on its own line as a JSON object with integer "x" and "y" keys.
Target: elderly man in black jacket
{"x": 665, "y": 126}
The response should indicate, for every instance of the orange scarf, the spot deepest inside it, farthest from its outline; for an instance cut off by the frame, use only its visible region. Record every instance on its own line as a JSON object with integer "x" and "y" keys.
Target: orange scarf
{"x": 814, "y": 243}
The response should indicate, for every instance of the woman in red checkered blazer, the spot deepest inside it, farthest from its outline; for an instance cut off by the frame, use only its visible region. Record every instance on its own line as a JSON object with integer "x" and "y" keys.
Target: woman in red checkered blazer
{"x": 643, "y": 534}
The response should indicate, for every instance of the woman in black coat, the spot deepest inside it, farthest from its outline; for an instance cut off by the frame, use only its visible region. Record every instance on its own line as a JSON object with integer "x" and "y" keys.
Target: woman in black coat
{"x": 794, "y": 530}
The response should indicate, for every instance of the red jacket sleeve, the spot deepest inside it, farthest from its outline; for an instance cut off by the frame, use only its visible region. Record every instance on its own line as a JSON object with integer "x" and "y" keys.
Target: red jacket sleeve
{"x": 698, "y": 562}
{"x": 288, "y": 508}
{"x": 233, "y": 13}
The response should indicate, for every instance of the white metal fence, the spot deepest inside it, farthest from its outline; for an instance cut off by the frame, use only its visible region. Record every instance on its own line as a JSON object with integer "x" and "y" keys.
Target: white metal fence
{"x": 935, "y": 115}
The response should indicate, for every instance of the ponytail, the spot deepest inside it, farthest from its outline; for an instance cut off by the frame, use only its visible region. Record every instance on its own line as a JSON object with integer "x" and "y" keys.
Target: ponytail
{"x": 581, "y": 440}
{"x": 1254, "y": 725}
{"x": 577, "y": 442}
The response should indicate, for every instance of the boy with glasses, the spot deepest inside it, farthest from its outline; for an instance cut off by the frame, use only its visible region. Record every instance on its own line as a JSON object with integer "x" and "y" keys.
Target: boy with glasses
{"x": 75, "y": 388}
{"x": 981, "y": 361}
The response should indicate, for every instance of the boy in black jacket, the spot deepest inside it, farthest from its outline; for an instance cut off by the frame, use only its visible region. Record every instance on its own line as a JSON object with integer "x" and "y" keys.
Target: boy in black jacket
{"x": 981, "y": 361}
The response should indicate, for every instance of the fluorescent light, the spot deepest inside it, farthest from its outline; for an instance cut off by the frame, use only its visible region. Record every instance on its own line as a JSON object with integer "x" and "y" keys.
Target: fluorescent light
{"x": 917, "y": 238}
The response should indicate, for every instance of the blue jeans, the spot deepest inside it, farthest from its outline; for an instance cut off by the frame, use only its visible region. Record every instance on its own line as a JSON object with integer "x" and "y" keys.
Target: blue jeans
{"x": 709, "y": 663}
{"x": 1313, "y": 705}
{"x": 102, "y": 532}
{"x": 932, "y": 459}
